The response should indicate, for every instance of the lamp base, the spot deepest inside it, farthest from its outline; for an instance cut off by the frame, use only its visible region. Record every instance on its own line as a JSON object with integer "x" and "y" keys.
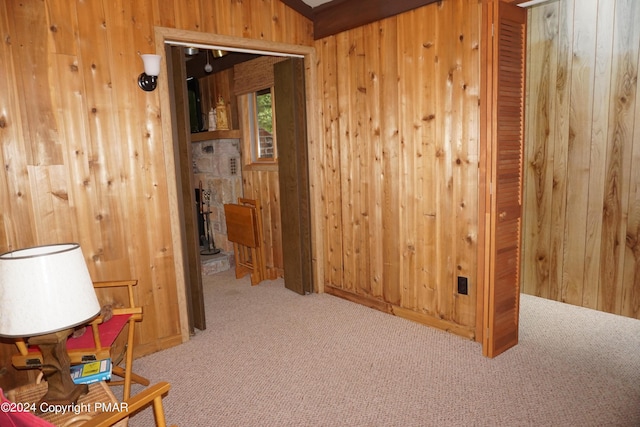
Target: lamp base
{"x": 147, "y": 83}
{"x": 56, "y": 369}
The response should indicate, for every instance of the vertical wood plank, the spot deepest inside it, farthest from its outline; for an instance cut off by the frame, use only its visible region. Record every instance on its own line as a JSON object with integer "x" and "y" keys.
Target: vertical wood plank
{"x": 164, "y": 13}
{"x": 347, "y": 47}
{"x": 391, "y": 226}
{"x": 467, "y": 158}
{"x": 561, "y": 137}
{"x": 541, "y": 108}
{"x": 444, "y": 74}
{"x": 373, "y": 202}
{"x": 29, "y": 35}
{"x": 598, "y": 132}
{"x": 17, "y": 215}
{"x": 187, "y": 15}
{"x": 426, "y": 172}
{"x": 328, "y": 69}
{"x": 409, "y": 136}
{"x": 631, "y": 272}
{"x": 579, "y": 150}
{"x": 619, "y": 152}
{"x": 62, "y": 30}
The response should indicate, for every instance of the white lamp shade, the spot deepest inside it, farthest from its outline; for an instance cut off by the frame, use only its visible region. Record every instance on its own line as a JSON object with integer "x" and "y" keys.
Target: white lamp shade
{"x": 151, "y": 64}
{"x": 45, "y": 289}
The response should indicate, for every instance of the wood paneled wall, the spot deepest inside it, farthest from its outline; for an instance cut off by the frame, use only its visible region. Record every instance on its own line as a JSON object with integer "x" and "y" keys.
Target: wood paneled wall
{"x": 81, "y": 145}
{"x": 399, "y": 168}
{"x": 260, "y": 181}
{"x": 582, "y": 190}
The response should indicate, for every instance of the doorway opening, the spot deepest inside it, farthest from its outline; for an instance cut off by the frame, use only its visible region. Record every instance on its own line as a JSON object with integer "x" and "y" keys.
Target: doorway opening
{"x": 177, "y": 140}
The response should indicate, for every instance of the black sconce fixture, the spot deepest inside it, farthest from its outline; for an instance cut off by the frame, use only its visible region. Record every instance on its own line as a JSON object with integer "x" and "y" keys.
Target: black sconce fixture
{"x": 149, "y": 79}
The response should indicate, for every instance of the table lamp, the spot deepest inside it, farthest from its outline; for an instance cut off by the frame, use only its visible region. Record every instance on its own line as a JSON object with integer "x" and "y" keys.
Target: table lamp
{"x": 45, "y": 292}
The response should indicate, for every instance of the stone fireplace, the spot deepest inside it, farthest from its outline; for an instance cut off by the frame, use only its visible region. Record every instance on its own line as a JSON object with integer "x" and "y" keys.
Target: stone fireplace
{"x": 217, "y": 170}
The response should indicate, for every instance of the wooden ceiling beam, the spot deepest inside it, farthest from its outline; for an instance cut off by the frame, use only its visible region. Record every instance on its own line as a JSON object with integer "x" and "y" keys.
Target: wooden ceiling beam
{"x": 342, "y": 15}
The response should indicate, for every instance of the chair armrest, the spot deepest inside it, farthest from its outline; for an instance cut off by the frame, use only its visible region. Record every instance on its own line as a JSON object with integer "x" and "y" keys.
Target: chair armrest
{"x": 118, "y": 284}
{"x": 152, "y": 394}
{"x": 115, "y": 283}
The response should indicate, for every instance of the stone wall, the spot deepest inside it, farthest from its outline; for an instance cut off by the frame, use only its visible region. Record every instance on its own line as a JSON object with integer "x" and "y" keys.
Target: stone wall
{"x": 217, "y": 164}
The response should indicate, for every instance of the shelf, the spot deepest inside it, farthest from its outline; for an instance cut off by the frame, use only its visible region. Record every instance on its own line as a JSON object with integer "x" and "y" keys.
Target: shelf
{"x": 216, "y": 134}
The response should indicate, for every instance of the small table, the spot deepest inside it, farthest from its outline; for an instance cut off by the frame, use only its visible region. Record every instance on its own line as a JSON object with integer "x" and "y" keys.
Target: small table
{"x": 99, "y": 399}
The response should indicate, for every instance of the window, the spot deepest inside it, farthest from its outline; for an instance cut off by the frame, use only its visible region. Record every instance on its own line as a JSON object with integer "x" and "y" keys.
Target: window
{"x": 262, "y": 126}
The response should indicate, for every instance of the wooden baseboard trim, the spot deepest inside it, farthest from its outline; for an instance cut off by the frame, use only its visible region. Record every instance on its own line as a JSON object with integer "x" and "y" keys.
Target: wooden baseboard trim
{"x": 460, "y": 330}
{"x": 359, "y": 299}
{"x": 162, "y": 344}
{"x": 425, "y": 319}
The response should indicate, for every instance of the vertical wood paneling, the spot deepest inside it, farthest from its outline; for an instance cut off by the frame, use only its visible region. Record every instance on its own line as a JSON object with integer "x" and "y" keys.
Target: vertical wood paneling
{"x": 392, "y": 234}
{"x": 259, "y": 182}
{"x": 599, "y": 124}
{"x": 631, "y": 272}
{"x": 581, "y": 184}
{"x": 580, "y": 119}
{"x": 373, "y": 34}
{"x": 81, "y": 144}
{"x": 542, "y": 36}
{"x": 330, "y": 167}
{"x": 562, "y": 135}
{"x": 466, "y": 164}
{"x": 63, "y": 31}
{"x": 17, "y": 217}
{"x": 426, "y": 245}
{"x": 34, "y": 80}
{"x": 262, "y": 185}
{"x": 618, "y": 188}
{"x": 350, "y": 48}
{"x": 445, "y": 226}
{"x": 401, "y": 117}
{"x": 163, "y": 15}
{"x": 411, "y": 196}
{"x": 188, "y": 15}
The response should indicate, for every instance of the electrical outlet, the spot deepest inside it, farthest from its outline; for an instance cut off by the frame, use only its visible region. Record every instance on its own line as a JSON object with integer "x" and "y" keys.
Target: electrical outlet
{"x": 463, "y": 285}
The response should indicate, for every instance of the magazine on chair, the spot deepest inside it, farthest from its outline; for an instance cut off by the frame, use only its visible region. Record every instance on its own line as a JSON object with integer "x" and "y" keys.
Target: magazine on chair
{"x": 91, "y": 372}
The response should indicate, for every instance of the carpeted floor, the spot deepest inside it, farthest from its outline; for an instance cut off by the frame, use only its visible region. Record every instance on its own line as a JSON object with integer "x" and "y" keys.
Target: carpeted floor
{"x": 270, "y": 357}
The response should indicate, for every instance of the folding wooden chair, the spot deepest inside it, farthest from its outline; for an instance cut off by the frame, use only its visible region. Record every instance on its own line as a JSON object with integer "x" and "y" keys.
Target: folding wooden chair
{"x": 244, "y": 229}
{"x": 101, "y": 340}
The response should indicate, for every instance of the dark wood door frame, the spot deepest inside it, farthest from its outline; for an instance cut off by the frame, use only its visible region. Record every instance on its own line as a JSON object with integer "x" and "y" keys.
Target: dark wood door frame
{"x": 293, "y": 174}
{"x": 176, "y": 75}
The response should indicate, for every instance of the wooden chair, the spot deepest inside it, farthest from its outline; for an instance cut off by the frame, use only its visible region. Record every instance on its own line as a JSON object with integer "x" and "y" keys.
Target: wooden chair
{"x": 244, "y": 230}
{"x": 150, "y": 396}
{"x": 101, "y": 340}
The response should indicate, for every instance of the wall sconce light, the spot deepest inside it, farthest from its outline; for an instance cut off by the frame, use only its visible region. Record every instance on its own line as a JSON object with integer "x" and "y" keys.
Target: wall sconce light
{"x": 148, "y": 80}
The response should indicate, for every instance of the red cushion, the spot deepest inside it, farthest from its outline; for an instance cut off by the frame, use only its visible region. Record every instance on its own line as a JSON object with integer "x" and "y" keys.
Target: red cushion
{"x": 9, "y": 418}
{"x": 108, "y": 332}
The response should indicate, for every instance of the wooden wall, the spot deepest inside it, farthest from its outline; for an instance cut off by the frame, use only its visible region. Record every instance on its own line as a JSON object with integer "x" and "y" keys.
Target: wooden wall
{"x": 582, "y": 188}
{"x": 399, "y": 165}
{"x": 260, "y": 181}
{"x": 262, "y": 184}
{"x": 81, "y": 145}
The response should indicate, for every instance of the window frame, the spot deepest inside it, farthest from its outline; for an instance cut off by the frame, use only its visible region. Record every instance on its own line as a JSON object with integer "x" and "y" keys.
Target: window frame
{"x": 251, "y": 138}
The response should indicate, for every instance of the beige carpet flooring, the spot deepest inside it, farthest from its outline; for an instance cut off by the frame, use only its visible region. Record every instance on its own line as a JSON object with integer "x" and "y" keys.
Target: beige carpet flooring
{"x": 270, "y": 357}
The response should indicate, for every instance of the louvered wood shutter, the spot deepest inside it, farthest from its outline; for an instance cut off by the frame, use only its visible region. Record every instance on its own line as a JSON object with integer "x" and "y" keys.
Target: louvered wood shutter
{"x": 507, "y": 148}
